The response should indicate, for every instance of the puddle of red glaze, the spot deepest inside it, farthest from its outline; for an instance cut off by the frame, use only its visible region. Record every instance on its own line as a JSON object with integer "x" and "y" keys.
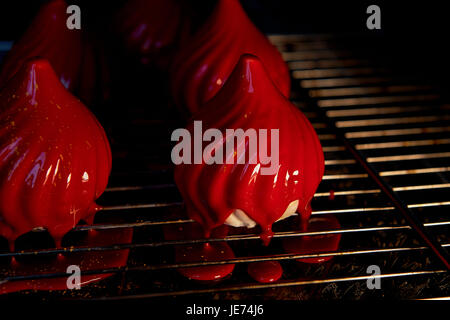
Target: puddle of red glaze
{"x": 94, "y": 260}
{"x": 210, "y": 251}
{"x": 316, "y": 243}
{"x": 265, "y": 271}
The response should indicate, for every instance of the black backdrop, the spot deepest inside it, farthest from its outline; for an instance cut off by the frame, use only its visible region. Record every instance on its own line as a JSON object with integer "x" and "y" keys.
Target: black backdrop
{"x": 416, "y": 32}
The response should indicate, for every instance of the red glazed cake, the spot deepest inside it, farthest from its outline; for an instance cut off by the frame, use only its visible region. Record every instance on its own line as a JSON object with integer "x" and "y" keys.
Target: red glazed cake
{"x": 67, "y": 51}
{"x": 55, "y": 158}
{"x": 202, "y": 66}
{"x": 239, "y": 194}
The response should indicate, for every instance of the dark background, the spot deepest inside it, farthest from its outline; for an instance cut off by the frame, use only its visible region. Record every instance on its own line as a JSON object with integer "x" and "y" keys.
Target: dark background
{"x": 416, "y": 33}
{"x": 407, "y": 18}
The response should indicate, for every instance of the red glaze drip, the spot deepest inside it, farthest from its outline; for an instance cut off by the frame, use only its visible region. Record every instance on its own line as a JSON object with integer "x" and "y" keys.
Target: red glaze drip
{"x": 152, "y": 29}
{"x": 315, "y": 244}
{"x": 265, "y": 271}
{"x": 212, "y": 192}
{"x": 214, "y": 251}
{"x": 48, "y": 37}
{"x": 332, "y": 196}
{"x": 55, "y": 158}
{"x": 266, "y": 235}
{"x": 204, "y": 65}
{"x": 86, "y": 261}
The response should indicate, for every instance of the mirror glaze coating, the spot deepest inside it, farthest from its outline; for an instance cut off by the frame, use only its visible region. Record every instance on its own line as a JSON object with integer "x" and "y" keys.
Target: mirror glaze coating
{"x": 55, "y": 158}
{"x": 69, "y": 54}
{"x": 203, "y": 65}
{"x": 249, "y": 99}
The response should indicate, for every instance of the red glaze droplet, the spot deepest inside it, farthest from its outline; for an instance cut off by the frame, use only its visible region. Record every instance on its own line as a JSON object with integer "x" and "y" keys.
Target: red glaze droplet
{"x": 265, "y": 271}
{"x": 317, "y": 243}
{"x": 332, "y": 196}
{"x": 214, "y": 251}
{"x": 153, "y": 29}
{"x": 48, "y": 37}
{"x": 86, "y": 261}
{"x": 212, "y": 192}
{"x": 203, "y": 66}
{"x": 55, "y": 158}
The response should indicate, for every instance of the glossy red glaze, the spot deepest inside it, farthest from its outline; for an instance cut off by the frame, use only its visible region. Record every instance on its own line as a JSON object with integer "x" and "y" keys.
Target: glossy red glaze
{"x": 265, "y": 271}
{"x": 55, "y": 158}
{"x": 214, "y": 251}
{"x": 203, "y": 66}
{"x": 48, "y": 37}
{"x": 151, "y": 29}
{"x": 318, "y": 243}
{"x": 86, "y": 261}
{"x": 212, "y": 192}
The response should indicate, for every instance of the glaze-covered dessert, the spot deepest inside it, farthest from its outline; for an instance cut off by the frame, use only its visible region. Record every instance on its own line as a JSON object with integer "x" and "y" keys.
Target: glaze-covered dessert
{"x": 239, "y": 194}
{"x": 66, "y": 49}
{"x": 204, "y": 64}
{"x": 55, "y": 158}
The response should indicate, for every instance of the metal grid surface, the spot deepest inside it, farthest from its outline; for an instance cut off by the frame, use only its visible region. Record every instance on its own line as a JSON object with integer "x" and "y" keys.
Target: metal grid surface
{"x": 399, "y": 124}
